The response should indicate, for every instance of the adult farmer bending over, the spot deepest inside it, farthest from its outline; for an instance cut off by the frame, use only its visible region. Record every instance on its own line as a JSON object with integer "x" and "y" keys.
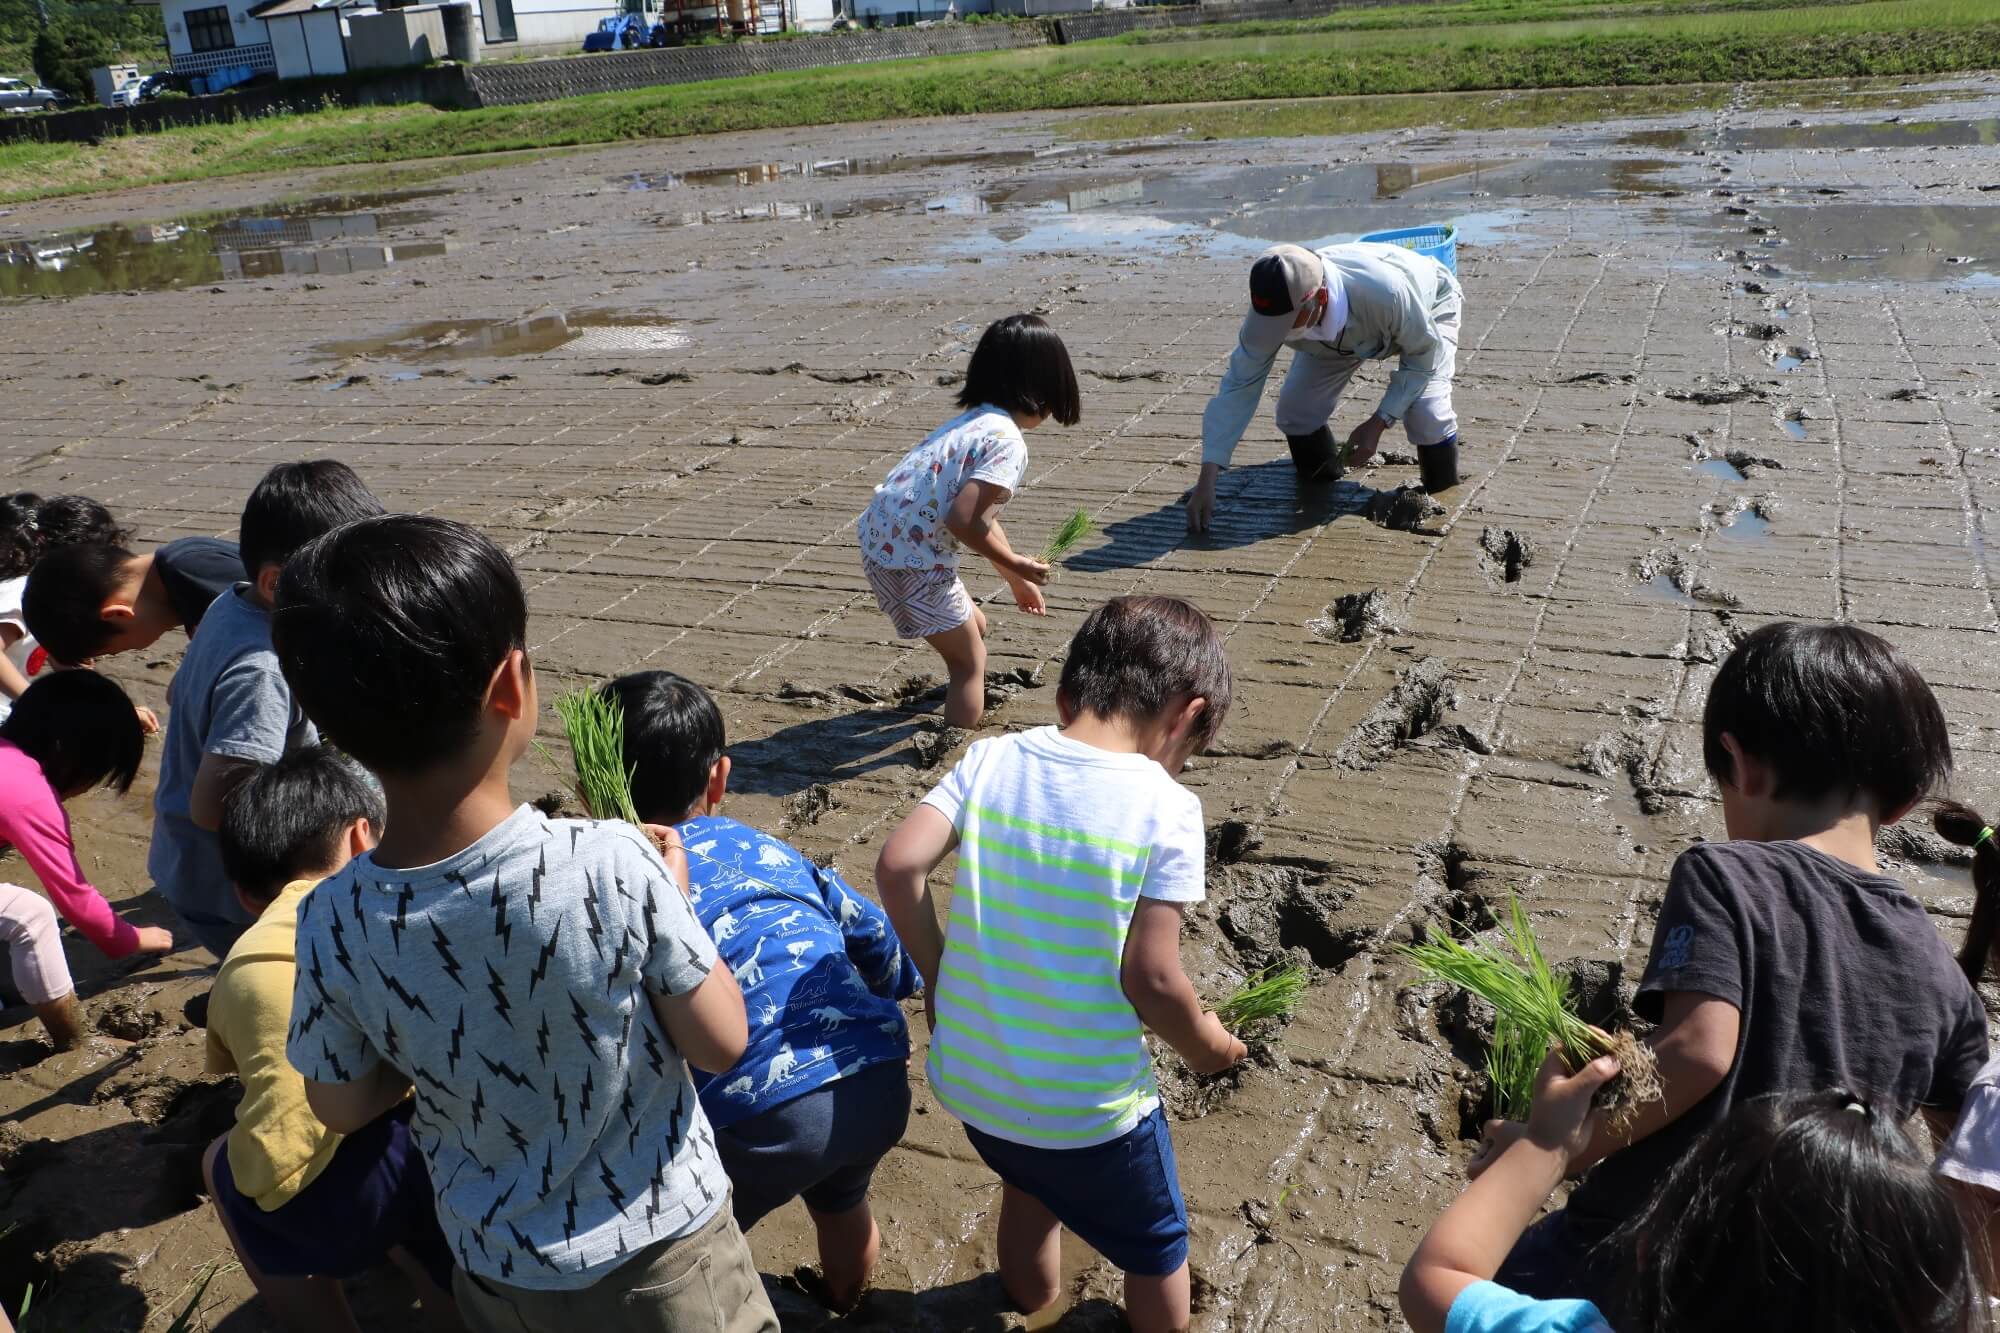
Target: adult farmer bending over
{"x": 1336, "y": 308}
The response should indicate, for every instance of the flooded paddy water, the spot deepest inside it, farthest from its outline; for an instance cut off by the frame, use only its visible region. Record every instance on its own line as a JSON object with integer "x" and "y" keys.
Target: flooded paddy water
{"x": 1718, "y": 367}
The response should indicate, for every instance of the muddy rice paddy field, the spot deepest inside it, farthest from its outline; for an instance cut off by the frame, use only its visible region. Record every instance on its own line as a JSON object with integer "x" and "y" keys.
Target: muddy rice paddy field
{"x": 1719, "y": 366}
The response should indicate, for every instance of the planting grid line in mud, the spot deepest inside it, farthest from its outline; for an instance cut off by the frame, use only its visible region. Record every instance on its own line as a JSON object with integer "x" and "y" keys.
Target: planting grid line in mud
{"x": 1524, "y": 715}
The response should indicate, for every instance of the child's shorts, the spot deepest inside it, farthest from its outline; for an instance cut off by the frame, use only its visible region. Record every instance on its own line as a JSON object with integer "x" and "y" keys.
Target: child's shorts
{"x": 373, "y": 1195}
{"x": 1123, "y": 1198}
{"x": 919, "y": 602}
{"x": 822, "y": 1147}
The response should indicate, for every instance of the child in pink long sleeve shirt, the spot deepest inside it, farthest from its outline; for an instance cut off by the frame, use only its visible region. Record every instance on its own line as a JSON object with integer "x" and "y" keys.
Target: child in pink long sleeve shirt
{"x": 68, "y": 732}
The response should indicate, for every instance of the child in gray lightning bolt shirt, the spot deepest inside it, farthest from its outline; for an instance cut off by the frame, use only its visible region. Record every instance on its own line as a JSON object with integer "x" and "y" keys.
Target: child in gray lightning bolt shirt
{"x": 537, "y": 982}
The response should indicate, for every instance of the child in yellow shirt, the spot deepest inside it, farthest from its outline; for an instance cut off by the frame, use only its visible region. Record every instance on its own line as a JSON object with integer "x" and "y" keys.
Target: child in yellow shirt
{"x": 303, "y": 1206}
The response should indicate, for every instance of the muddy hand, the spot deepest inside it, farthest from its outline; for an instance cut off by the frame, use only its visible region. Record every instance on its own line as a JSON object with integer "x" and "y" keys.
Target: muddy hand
{"x": 668, "y": 840}
{"x": 1361, "y": 444}
{"x": 1495, "y": 1138}
{"x": 1560, "y": 1120}
{"x": 1200, "y": 506}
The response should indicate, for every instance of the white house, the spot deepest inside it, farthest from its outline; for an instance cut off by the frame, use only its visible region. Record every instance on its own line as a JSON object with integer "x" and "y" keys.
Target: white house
{"x": 207, "y": 35}
{"x": 304, "y": 38}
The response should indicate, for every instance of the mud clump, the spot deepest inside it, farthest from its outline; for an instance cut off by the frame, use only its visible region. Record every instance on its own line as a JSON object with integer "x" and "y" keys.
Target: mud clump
{"x": 1353, "y": 615}
{"x": 1405, "y": 509}
{"x": 928, "y": 748}
{"x": 1910, "y": 396}
{"x": 1417, "y": 704}
{"x": 129, "y": 1018}
{"x": 1231, "y": 841}
{"x": 1190, "y": 1096}
{"x": 1714, "y": 642}
{"x": 1267, "y": 911}
{"x": 1914, "y": 844}
{"x": 1747, "y": 463}
{"x": 1506, "y": 552}
{"x": 1709, "y": 391}
{"x": 803, "y": 809}
{"x": 1002, "y": 686}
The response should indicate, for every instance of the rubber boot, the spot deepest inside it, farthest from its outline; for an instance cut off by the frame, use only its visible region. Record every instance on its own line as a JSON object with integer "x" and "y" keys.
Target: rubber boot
{"x": 1316, "y": 456}
{"x": 64, "y": 1020}
{"x": 1439, "y": 464}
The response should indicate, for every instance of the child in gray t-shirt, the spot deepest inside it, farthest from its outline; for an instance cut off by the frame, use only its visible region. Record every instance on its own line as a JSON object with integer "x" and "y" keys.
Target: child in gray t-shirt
{"x": 537, "y": 983}
{"x": 229, "y": 709}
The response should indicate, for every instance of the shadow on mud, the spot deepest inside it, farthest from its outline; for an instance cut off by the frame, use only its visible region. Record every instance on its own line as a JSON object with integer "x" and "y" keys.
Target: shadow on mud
{"x": 1252, "y": 503}
{"x": 827, "y": 750}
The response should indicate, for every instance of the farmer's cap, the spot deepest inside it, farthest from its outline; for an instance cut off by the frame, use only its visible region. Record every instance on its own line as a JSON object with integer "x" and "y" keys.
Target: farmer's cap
{"x": 1282, "y": 279}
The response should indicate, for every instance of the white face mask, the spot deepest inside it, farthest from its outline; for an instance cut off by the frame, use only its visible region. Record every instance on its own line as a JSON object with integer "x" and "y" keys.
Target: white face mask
{"x": 1333, "y": 316}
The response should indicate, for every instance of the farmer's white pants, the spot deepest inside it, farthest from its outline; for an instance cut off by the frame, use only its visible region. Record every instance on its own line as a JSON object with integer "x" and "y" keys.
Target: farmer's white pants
{"x": 1318, "y": 377}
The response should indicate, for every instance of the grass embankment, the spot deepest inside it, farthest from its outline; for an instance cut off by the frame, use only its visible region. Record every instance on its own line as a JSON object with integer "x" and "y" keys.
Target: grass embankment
{"x": 1906, "y": 37}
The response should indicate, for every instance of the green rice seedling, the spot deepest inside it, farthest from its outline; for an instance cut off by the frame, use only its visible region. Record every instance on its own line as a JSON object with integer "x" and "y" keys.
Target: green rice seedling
{"x": 184, "y": 1321}
{"x": 1074, "y": 529}
{"x": 1273, "y": 992}
{"x": 1534, "y": 1014}
{"x": 595, "y": 726}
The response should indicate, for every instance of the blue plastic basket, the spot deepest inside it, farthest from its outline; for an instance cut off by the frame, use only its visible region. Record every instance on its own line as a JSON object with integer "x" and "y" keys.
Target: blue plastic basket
{"x": 1439, "y": 242}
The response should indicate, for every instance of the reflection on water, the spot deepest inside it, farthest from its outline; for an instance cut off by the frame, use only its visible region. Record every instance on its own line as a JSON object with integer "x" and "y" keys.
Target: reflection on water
{"x": 308, "y": 239}
{"x": 1831, "y": 134}
{"x": 1873, "y": 242}
{"x": 576, "y": 331}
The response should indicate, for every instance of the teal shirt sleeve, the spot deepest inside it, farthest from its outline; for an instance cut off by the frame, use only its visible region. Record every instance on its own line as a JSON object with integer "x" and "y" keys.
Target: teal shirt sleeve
{"x": 1228, "y": 413}
{"x": 1487, "y": 1307}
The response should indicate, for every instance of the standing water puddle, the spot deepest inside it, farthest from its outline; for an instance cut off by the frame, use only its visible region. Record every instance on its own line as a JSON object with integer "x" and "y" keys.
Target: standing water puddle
{"x": 330, "y": 236}
{"x": 577, "y": 331}
{"x": 1795, "y": 429}
{"x": 1747, "y": 526}
{"x": 1720, "y": 467}
{"x": 1830, "y": 134}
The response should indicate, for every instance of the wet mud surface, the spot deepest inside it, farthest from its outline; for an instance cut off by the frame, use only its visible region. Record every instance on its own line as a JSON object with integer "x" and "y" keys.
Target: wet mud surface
{"x": 1717, "y": 368}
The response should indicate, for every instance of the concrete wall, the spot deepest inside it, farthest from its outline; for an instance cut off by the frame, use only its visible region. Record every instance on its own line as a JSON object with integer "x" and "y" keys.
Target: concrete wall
{"x": 395, "y": 38}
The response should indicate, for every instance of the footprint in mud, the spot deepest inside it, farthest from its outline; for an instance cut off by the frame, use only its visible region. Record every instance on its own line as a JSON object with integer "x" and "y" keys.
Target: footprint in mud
{"x": 1707, "y": 391}
{"x": 1416, "y": 705}
{"x": 1670, "y": 576}
{"x": 129, "y": 1017}
{"x": 1506, "y": 552}
{"x": 1354, "y": 615}
{"x": 1269, "y": 912}
{"x": 1002, "y": 686}
{"x": 1405, "y": 509}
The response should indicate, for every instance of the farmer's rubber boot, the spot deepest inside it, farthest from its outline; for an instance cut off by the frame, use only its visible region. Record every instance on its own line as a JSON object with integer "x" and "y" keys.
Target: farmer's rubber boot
{"x": 1439, "y": 464}
{"x": 1316, "y": 456}
{"x": 64, "y": 1020}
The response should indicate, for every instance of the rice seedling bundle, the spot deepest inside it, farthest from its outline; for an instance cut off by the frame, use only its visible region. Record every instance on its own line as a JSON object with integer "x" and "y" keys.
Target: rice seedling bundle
{"x": 1272, "y": 993}
{"x": 1534, "y": 1013}
{"x": 595, "y": 726}
{"x": 1074, "y": 529}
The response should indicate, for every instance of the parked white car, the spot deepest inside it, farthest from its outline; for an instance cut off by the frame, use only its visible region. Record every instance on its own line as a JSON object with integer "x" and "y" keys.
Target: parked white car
{"x": 19, "y": 95}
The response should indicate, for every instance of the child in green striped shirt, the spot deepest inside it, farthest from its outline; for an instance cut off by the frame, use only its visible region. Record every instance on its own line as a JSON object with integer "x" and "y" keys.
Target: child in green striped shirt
{"x": 1077, "y": 853}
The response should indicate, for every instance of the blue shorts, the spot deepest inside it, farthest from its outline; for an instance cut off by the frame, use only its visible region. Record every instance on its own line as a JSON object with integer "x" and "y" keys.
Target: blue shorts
{"x": 373, "y": 1195}
{"x": 1562, "y": 1257}
{"x": 822, "y": 1147}
{"x": 1122, "y": 1198}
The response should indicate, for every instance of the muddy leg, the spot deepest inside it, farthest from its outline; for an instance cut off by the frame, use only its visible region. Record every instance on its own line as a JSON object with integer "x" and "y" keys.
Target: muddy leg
{"x": 1030, "y": 1251}
{"x": 964, "y": 652}
{"x": 301, "y": 1304}
{"x": 1158, "y": 1304}
{"x": 848, "y": 1245}
{"x": 64, "y": 1020}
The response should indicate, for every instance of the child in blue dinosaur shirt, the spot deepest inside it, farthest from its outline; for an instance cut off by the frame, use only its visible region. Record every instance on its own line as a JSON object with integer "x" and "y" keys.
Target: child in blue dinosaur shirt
{"x": 822, "y": 1092}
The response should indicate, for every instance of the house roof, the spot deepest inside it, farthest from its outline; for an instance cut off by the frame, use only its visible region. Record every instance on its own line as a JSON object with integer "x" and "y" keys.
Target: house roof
{"x": 272, "y": 9}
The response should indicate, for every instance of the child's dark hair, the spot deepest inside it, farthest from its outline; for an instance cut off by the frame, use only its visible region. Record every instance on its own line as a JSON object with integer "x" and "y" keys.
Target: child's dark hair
{"x": 673, "y": 736}
{"x": 1828, "y": 707}
{"x": 1021, "y": 366}
{"x": 296, "y": 502}
{"x": 389, "y": 629}
{"x": 287, "y": 819}
{"x": 64, "y": 600}
{"x": 1136, "y": 657}
{"x": 81, "y": 728}
{"x": 31, "y": 526}
{"x": 1802, "y": 1213}
{"x": 1963, "y": 825}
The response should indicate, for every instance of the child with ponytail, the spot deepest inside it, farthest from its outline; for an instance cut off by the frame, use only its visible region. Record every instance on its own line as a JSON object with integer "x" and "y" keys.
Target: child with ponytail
{"x": 1971, "y": 1157}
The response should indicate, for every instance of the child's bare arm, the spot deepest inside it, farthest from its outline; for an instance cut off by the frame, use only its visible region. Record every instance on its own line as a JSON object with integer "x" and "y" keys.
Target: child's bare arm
{"x": 1695, "y": 1046}
{"x": 1160, "y": 991}
{"x": 706, "y": 1024}
{"x": 974, "y": 518}
{"x": 902, "y": 881}
{"x": 218, "y": 775}
{"x": 346, "y": 1108}
{"x": 1470, "y": 1242}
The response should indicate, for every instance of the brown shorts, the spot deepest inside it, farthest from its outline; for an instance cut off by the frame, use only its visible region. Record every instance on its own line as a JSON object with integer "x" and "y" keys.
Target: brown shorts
{"x": 919, "y": 602}
{"x": 703, "y": 1282}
